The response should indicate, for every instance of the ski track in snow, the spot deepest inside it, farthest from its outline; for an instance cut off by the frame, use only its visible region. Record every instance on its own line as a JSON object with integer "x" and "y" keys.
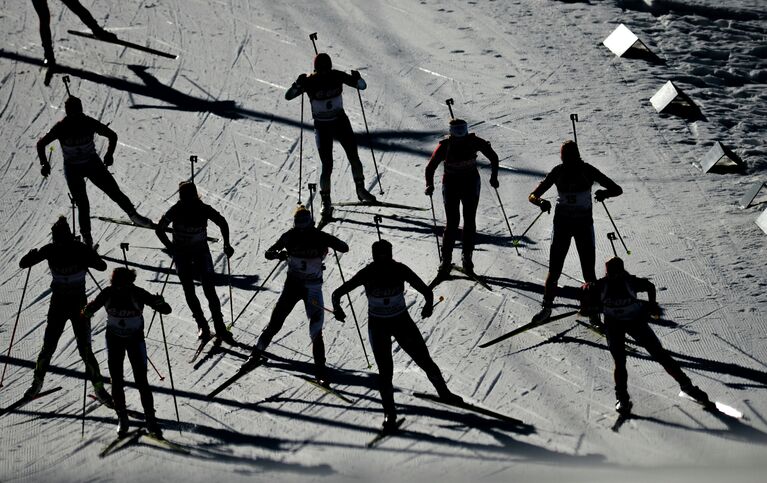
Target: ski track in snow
{"x": 516, "y": 70}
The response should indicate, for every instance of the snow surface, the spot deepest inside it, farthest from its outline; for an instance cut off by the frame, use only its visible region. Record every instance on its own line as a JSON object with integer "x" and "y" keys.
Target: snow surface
{"x": 516, "y": 70}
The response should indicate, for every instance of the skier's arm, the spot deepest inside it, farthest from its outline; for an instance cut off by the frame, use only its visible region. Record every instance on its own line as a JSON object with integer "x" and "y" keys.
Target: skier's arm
{"x": 94, "y": 260}
{"x": 156, "y": 302}
{"x": 417, "y": 283}
{"x": 297, "y": 88}
{"x": 96, "y": 304}
{"x": 275, "y": 252}
{"x": 162, "y": 225}
{"x": 611, "y": 188}
{"x": 356, "y": 281}
{"x": 43, "y": 143}
{"x": 436, "y": 157}
{"x": 219, "y": 220}
{"x": 353, "y": 80}
{"x": 490, "y": 154}
{"x": 543, "y": 186}
{"x": 103, "y": 130}
{"x": 33, "y": 257}
{"x": 334, "y": 243}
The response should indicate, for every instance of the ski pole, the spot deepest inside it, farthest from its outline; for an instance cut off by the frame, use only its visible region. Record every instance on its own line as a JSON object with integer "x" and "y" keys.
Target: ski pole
{"x": 231, "y": 302}
{"x": 85, "y": 394}
{"x": 313, "y": 37}
{"x": 516, "y": 242}
{"x": 370, "y": 140}
{"x": 94, "y": 279}
{"x": 74, "y": 222}
{"x": 436, "y": 235}
{"x": 628, "y": 252}
{"x": 354, "y": 315}
{"x": 254, "y": 295}
{"x": 192, "y": 160}
{"x": 312, "y": 192}
{"x": 611, "y": 237}
{"x": 66, "y": 84}
{"x": 450, "y": 103}
{"x": 506, "y": 219}
{"x": 316, "y": 303}
{"x": 301, "y": 153}
{"x": 162, "y": 290}
{"x": 125, "y": 247}
{"x": 170, "y": 370}
{"x": 13, "y": 333}
{"x": 377, "y": 219}
{"x": 162, "y": 378}
{"x": 574, "y": 119}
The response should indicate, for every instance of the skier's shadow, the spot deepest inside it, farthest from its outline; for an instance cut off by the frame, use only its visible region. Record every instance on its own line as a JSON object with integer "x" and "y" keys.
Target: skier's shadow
{"x": 567, "y": 291}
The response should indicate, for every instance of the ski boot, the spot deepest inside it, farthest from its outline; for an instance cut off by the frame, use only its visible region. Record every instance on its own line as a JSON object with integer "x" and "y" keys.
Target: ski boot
{"x": 449, "y": 397}
{"x": 389, "y": 423}
{"x": 123, "y": 424}
{"x": 697, "y": 393}
{"x": 467, "y": 263}
{"x": 326, "y": 214}
{"x": 140, "y": 220}
{"x": 102, "y": 34}
{"x": 49, "y": 60}
{"x": 34, "y": 389}
{"x": 221, "y": 331}
{"x": 544, "y": 314}
{"x": 103, "y": 396}
{"x": 203, "y": 332}
{"x": 444, "y": 268}
{"x": 152, "y": 427}
{"x": 623, "y": 406}
{"x": 364, "y": 195}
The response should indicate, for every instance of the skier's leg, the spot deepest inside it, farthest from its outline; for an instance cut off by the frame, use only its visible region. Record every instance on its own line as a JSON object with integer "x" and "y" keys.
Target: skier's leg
{"x": 469, "y": 200}
{"x": 586, "y": 245}
{"x": 44, "y": 14}
{"x": 115, "y": 356}
{"x": 313, "y": 303}
{"x": 138, "y": 361}
{"x": 81, "y": 326}
{"x": 643, "y": 334}
{"x": 103, "y": 179}
{"x": 323, "y": 135}
{"x": 408, "y": 337}
{"x": 380, "y": 342}
{"x": 209, "y": 289}
{"x": 292, "y": 292}
{"x": 345, "y": 135}
{"x": 560, "y": 244}
{"x": 76, "y": 185}
{"x": 616, "y": 341}
{"x": 452, "y": 217}
{"x": 85, "y": 16}
{"x": 185, "y": 269}
{"x": 57, "y": 319}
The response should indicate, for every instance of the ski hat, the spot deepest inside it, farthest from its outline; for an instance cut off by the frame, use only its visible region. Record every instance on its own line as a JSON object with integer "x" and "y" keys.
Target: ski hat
{"x": 60, "y": 230}
{"x": 382, "y": 251}
{"x": 122, "y": 277}
{"x": 73, "y": 106}
{"x": 614, "y": 267}
{"x": 187, "y": 191}
{"x": 302, "y": 218}
{"x": 458, "y": 128}
{"x": 322, "y": 62}
{"x": 569, "y": 152}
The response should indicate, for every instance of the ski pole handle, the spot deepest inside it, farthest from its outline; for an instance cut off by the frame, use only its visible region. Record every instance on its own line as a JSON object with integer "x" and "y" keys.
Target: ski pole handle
{"x": 125, "y": 247}
{"x": 66, "y": 84}
{"x": 377, "y": 219}
{"x": 313, "y": 37}
{"x": 450, "y": 103}
{"x": 192, "y": 160}
{"x": 612, "y": 238}
{"x": 574, "y": 119}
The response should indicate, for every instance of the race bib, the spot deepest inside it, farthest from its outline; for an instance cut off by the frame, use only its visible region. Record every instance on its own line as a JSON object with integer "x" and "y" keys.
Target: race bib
{"x": 78, "y": 151}
{"x": 125, "y": 326}
{"x": 189, "y": 235}
{"x": 74, "y": 278}
{"x": 623, "y": 312}
{"x": 574, "y": 200}
{"x": 305, "y": 268}
{"x": 327, "y": 109}
{"x": 454, "y": 166}
{"x": 386, "y": 306}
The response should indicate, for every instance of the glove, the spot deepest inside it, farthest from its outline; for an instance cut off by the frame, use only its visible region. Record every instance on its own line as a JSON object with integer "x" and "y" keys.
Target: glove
{"x": 600, "y": 195}
{"x": 228, "y": 250}
{"x": 276, "y": 255}
{"x": 109, "y": 159}
{"x": 339, "y": 313}
{"x": 429, "y": 190}
{"x": 494, "y": 181}
{"x": 45, "y": 169}
{"x": 545, "y": 205}
{"x": 654, "y": 310}
{"x": 427, "y": 310}
{"x": 86, "y": 314}
{"x": 301, "y": 80}
{"x": 356, "y": 75}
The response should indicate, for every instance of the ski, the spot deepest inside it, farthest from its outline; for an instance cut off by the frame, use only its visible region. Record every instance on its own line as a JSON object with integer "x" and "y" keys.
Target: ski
{"x": 121, "y": 442}
{"x": 124, "y": 43}
{"x": 473, "y": 276}
{"x": 21, "y": 402}
{"x": 200, "y": 346}
{"x": 381, "y": 204}
{"x": 327, "y": 389}
{"x": 385, "y": 433}
{"x": 119, "y": 221}
{"x": 714, "y": 406}
{"x": 620, "y": 421}
{"x": 526, "y": 327}
{"x": 164, "y": 443}
{"x": 469, "y": 407}
{"x": 242, "y": 371}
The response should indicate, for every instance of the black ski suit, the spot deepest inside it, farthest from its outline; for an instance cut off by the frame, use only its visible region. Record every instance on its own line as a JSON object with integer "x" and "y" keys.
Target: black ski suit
{"x": 625, "y": 314}
{"x": 330, "y": 121}
{"x": 573, "y": 218}
{"x": 191, "y": 255}
{"x": 388, "y": 317}
{"x": 69, "y": 262}
{"x": 76, "y": 137}
{"x": 460, "y": 186}
{"x": 125, "y": 335}
{"x": 306, "y": 248}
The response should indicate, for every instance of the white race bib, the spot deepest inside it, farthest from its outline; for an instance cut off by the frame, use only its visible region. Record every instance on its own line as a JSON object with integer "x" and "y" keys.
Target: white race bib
{"x": 386, "y": 306}
{"x": 574, "y": 200}
{"x": 79, "y": 153}
{"x": 125, "y": 326}
{"x": 327, "y": 109}
{"x": 186, "y": 236}
{"x": 305, "y": 268}
{"x": 76, "y": 278}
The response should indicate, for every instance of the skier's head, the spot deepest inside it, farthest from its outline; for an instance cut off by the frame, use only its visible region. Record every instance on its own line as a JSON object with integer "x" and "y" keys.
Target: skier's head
{"x": 614, "y": 268}
{"x": 73, "y": 106}
{"x": 382, "y": 251}
{"x": 322, "y": 62}
{"x": 569, "y": 152}
{"x": 458, "y": 128}
{"x": 122, "y": 277}
{"x": 60, "y": 231}
{"x": 187, "y": 192}
{"x": 302, "y": 218}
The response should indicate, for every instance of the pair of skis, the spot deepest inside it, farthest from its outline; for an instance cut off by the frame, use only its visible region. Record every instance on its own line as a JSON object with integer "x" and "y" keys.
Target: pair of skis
{"x": 120, "y": 221}
{"x": 324, "y": 220}
{"x": 469, "y": 274}
{"x": 133, "y": 437}
{"x": 26, "y": 400}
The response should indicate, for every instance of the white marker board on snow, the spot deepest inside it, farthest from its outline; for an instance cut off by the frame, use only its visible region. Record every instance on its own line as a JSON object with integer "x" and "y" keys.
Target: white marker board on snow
{"x": 621, "y": 40}
{"x": 716, "y": 156}
{"x": 753, "y": 190}
{"x": 762, "y": 221}
{"x": 667, "y": 95}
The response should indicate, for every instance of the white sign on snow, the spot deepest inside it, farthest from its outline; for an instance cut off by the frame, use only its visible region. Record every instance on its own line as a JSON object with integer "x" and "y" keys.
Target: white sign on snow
{"x": 621, "y": 40}
{"x": 668, "y": 94}
{"x": 762, "y": 221}
{"x": 717, "y": 155}
{"x": 750, "y": 195}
